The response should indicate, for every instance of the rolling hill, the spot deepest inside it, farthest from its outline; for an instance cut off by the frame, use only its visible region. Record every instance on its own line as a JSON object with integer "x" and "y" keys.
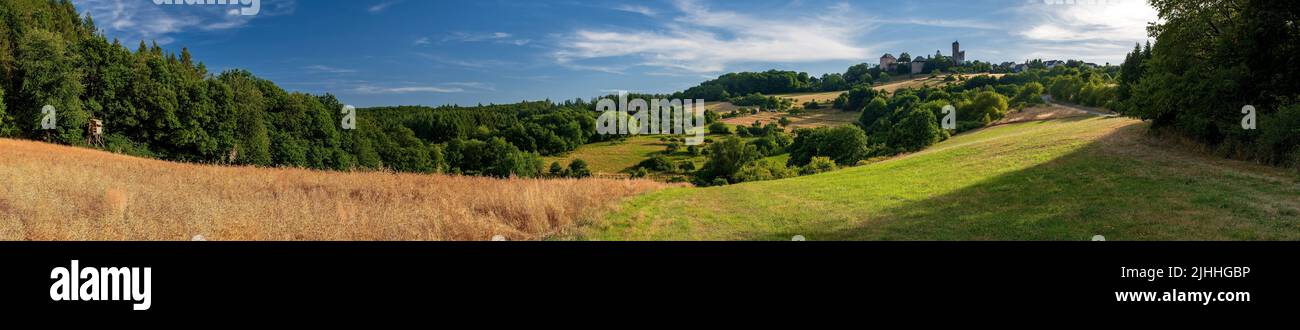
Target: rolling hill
{"x": 52, "y": 192}
{"x": 1059, "y": 179}
{"x": 1062, "y": 179}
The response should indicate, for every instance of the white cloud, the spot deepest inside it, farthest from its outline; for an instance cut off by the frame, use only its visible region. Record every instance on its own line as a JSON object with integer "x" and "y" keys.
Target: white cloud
{"x": 1114, "y": 20}
{"x": 368, "y": 89}
{"x": 948, "y": 23}
{"x": 382, "y": 6}
{"x": 702, "y": 39}
{"x": 1099, "y": 31}
{"x": 133, "y": 21}
{"x": 422, "y": 41}
{"x": 444, "y": 88}
{"x": 495, "y": 37}
{"x": 328, "y": 69}
{"x": 639, "y": 9}
{"x": 473, "y": 64}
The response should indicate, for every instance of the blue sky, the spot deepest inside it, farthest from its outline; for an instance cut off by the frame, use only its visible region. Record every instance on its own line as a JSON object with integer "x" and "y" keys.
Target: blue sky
{"x": 404, "y": 52}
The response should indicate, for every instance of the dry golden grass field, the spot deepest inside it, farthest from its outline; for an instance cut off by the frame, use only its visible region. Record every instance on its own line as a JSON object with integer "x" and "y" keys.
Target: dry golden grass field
{"x": 51, "y": 192}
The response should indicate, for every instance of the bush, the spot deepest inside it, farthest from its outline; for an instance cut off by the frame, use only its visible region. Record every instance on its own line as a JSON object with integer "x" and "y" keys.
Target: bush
{"x": 556, "y": 169}
{"x": 640, "y": 173}
{"x": 672, "y": 148}
{"x": 763, "y": 171}
{"x": 119, "y": 144}
{"x": 656, "y": 163}
{"x": 719, "y": 128}
{"x": 578, "y": 169}
{"x": 686, "y": 166}
{"x": 818, "y": 165}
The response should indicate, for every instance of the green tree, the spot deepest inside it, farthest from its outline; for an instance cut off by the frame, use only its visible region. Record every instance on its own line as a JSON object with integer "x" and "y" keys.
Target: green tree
{"x": 578, "y": 168}
{"x": 845, "y": 145}
{"x": 873, "y": 111}
{"x": 556, "y": 169}
{"x": 51, "y": 77}
{"x": 5, "y": 129}
{"x": 726, "y": 158}
{"x": 1032, "y": 93}
{"x": 915, "y": 131}
{"x": 986, "y": 106}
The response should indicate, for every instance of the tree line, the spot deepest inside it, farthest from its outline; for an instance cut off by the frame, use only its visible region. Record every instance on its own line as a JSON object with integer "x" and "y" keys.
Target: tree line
{"x": 1209, "y": 61}
{"x": 167, "y": 105}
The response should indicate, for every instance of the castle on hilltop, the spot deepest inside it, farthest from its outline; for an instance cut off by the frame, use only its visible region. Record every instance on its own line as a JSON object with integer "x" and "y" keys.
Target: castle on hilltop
{"x": 958, "y": 55}
{"x": 888, "y": 61}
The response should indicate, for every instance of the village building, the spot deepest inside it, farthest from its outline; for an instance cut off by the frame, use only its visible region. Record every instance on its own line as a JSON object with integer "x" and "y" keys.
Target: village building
{"x": 887, "y": 62}
{"x": 918, "y": 65}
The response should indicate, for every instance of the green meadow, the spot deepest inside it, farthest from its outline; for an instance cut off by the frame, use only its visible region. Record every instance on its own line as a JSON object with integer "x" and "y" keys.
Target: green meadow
{"x": 1067, "y": 180}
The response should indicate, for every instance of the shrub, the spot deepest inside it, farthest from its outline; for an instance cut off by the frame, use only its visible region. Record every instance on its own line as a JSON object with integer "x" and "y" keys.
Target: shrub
{"x": 763, "y": 171}
{"x": 818, "y": 165}
{"x": 578, "y": 169}
{"x": 556, "y": 169}
{"x": 672, "y": 148}
{"x": 656, "y": 163}
{"x": 719, "y": 128}
{"x": 686, "y": 166}
{"x": 640, "y": 173}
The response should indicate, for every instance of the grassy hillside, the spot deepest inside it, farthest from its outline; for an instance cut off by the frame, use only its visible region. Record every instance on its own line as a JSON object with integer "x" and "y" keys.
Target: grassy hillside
{"x": 1065, "y": 179}
{"x": 618, "y": 156}
{"x": 50, "y": 192}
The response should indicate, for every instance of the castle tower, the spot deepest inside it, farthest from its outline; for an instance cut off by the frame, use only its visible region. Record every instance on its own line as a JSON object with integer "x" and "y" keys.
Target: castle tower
{"x": 958, "y": 56}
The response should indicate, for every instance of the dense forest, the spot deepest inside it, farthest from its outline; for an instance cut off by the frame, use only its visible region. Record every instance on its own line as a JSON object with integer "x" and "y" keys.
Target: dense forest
{"x": 1209, "y": 61}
